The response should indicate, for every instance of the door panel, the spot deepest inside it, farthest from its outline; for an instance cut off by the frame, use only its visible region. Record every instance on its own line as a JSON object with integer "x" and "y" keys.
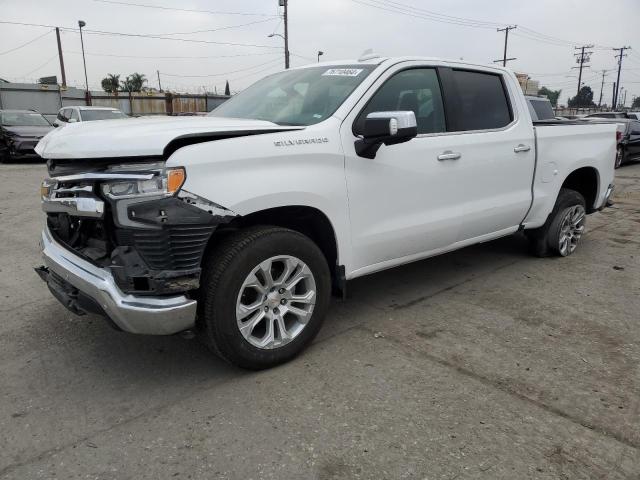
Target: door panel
{"x": 440, "y": 188}
{"x": 497, "y": 152}
{"x": 401, "y": 202}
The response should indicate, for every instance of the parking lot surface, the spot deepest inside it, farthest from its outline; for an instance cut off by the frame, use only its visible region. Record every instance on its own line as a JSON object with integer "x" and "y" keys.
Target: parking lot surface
{"x": 483, "y": 363}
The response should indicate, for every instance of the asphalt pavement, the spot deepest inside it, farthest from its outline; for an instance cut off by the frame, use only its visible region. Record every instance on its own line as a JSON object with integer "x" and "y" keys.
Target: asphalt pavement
{"x": 485, "y": 363}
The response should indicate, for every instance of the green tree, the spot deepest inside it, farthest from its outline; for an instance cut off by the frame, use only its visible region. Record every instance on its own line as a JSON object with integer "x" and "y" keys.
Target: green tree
{"x": 134, "y": 83}
{"x": 111, "y": 83}
{"x": 552, "y": 95}
{"x": 636, "y": 103}
{"x": 584, "y": 98}
{"x": 227, "y": 89}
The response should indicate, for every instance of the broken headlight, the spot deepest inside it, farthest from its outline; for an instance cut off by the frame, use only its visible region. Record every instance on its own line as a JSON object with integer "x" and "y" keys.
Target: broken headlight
{"x": 166, "y": 182}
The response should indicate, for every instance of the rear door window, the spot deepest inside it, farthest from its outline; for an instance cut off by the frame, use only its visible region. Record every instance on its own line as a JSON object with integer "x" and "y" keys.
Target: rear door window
{"x": 481, "y": 101}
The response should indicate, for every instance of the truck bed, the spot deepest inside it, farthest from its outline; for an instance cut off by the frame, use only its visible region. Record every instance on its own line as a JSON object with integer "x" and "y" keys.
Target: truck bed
{"x": 560, "y": 151}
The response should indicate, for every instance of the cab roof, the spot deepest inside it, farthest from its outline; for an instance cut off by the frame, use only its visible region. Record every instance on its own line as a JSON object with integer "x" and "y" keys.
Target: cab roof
{"x": 372, "y": 59}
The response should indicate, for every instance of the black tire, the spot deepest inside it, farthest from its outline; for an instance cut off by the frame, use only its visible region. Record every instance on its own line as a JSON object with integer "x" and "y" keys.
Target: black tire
{"x": 545, "y": 241}
{"x": 4, "y": 155}
{"x": 224, "y": 272}
{"x": 619, "y": 157}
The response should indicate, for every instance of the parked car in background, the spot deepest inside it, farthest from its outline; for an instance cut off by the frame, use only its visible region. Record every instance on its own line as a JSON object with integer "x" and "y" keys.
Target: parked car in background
{"x": 628, "y": 137}
{"x": 634, "y": 115}
{"x": 20, "y": 131}
{"x": 86, "y": 114}
{"x": 540, "y": 108}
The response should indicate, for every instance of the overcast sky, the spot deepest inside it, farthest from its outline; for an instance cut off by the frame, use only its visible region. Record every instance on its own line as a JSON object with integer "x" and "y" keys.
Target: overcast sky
{"x": 340, "y": 28}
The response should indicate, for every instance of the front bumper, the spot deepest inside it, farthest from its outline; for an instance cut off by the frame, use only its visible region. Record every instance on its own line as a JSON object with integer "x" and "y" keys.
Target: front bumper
{"x": 149, "y": 315}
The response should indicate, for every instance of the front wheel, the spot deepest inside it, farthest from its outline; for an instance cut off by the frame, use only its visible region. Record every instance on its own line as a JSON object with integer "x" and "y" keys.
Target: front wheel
{"x": 561, "y": 233}
{"x": 264, "y": 294}
{"x": 4, "y": 155}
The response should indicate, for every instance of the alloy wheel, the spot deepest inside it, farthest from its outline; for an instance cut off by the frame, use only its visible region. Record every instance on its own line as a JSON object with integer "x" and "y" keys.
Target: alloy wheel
{"x": 571, "y": 229}
{"x": 275, "y": 302}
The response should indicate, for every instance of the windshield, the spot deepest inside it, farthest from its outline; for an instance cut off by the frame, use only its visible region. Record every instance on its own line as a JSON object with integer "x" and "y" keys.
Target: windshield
{"x": 22, "y": 119}
{"x": 296, "y": 97}
{"x": 90, "y": 115}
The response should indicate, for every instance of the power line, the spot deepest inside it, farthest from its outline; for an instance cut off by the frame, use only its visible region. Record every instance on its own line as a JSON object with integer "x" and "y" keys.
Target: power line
{"x": 179, "y": 57}
{"x": 175, "y": 9}
{"x": 275, "y": 64}
{"x": 41, "y": 66}
{"x": 440, "y": 15}
{"x": 220, "y": 28}
{"x": 140, "y": 35}
{"x": 217, "y": 74}
{"x": 24, "y": 44}
{"x": 160, "y": 37}
{"x": 415, "y": 12}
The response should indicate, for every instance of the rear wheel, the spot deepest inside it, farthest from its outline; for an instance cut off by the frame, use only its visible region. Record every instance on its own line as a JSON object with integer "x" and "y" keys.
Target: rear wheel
{"x": 561, "y": 233}
{"x": 619, "y": 156}
{"x": 264, "y": 295}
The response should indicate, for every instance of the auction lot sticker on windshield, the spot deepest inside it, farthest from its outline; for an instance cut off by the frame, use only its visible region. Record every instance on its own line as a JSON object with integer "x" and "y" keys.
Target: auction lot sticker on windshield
{"x": 343, "y": 72}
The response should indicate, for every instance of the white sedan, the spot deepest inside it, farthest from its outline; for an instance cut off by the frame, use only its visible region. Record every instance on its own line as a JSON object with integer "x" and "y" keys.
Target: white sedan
{"x": 86, "y": 114}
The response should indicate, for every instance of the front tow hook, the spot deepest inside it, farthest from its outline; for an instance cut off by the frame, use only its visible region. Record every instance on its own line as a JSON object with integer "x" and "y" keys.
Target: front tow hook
{"x": 43, "y": 272}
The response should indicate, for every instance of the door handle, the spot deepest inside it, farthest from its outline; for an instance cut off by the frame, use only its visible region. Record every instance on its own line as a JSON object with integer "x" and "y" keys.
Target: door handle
{"x": 449, "y": 155}
{"x": 522, "y": 148}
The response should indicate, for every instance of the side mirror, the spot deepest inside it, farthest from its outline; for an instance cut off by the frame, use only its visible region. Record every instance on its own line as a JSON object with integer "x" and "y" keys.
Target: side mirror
{"x": 388, "y": 128}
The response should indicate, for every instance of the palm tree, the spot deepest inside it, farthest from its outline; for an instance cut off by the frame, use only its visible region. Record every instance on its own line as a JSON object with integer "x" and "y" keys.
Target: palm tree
{"x": 111, "y": 83}
{"x": 135, "y": 82}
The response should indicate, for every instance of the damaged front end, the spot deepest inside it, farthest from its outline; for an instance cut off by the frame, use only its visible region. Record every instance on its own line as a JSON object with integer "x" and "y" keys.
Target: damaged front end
{"x": 135, "y": 221}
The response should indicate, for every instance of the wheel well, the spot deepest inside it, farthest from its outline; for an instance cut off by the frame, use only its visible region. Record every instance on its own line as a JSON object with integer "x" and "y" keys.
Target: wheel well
{"x": 306, "y": 220}
{"x": 585, "y": 181}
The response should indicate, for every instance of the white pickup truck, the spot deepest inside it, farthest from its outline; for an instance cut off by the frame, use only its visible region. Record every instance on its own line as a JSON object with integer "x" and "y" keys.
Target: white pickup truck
{"x": 242, "y": 224}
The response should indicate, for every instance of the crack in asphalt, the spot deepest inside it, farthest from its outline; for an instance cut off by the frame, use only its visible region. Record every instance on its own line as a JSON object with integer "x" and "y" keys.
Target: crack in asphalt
{"x": 503, "y": 386}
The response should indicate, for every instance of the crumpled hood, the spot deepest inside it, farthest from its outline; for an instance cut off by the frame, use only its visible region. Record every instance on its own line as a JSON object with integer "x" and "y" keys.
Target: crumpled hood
{"x": 145, "y": 136}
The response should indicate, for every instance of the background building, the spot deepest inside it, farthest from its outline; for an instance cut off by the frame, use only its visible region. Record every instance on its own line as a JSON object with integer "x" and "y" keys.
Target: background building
{"x": 529, "y": 86}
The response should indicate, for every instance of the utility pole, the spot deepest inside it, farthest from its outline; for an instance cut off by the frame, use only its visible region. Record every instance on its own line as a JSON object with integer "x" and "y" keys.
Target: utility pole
{"x": 159, "y": 84}
{"x": 64, "y": 77}
{"x": 613, "y": 97}
{"x": 86, "y": 81}
{"x": 624, "y": 97}
{"x": 506, "y": 41}
{"x": 619, "y": 57}
{"x": 581, "y": 58}
{"x": 284, "y": 4}
{"x": 604, "y": 73}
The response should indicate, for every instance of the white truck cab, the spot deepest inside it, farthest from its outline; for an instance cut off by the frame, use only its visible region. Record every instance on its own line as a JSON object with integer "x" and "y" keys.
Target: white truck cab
{"x": 241, "y": 224}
